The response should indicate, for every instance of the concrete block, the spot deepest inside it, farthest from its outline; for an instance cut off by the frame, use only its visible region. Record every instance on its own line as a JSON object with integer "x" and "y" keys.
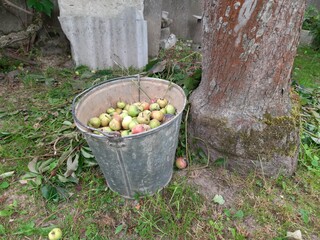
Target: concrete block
{"x": 97, "y": 8}
{"x": 165, "y": 20}
{"x": 168, "y": 43}
{"x": 102, "y": 42}
{"x": 152, "y": 14}
{"x": 184, "y": 24}
{"x": 315, "y": 3}
{"x": 165, "y": 33}
{"x": 305, "y": 37}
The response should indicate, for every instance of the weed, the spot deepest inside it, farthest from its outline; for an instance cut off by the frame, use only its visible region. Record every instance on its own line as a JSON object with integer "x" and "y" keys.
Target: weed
{"x": 306, "y": 65}
{"x": 310, "y": 137}
{"x": 7, "y": 65}
{"x": 312, "y": 23}
{"x": 45, "y": 6}
{"x": 183, "y": 66}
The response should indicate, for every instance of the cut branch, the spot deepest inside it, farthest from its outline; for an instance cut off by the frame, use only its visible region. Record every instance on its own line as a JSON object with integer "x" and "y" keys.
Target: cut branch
{"x": 8, "y": 3}
{"x": 14, "y": 56}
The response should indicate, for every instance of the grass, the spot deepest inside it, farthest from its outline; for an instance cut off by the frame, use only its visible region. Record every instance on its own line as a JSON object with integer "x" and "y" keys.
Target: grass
{"x": 35, "y": 124}
{"x": 306, "y": 67}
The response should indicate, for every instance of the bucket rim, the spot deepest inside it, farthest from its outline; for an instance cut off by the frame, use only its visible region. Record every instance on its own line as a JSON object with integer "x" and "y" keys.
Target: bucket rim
{"x": 114, "y": 134}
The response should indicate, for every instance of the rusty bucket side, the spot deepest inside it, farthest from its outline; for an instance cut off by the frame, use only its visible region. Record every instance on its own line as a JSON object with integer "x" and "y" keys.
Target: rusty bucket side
{"x": 139, "y": 164}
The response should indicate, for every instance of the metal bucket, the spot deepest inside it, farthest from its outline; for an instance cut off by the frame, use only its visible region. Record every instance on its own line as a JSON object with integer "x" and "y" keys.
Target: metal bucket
{"x": 139, "y": 164}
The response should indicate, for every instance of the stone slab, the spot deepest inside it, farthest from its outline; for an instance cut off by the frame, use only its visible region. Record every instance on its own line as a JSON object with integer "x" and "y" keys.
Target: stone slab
{"x": 305, "y": 38}
{"x": 97, "y": 8}
{"x": 315, "y": 3}
{"x": 101, "y": 42}
{"x": 165, "y": 33}
{"x": 152, "y": 14}
{"x": 184, "y": 24}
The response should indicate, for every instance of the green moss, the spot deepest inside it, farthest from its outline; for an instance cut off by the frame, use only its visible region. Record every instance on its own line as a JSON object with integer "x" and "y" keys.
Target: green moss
{"x": 279, "y": 136}
{"x": 262, "y": 139}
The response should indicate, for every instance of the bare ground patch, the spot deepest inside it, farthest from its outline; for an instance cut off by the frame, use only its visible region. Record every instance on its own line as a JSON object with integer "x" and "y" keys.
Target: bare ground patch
{"x": 210, "y": 182}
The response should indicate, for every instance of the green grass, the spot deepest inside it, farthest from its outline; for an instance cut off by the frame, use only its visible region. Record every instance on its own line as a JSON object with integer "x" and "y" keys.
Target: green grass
{"x": 306, "y": 67}
{"x": 33, "y": 125}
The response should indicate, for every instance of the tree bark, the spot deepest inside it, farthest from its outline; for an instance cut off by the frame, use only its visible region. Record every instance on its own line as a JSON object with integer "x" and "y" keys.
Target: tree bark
{"x": 242, "y": 106}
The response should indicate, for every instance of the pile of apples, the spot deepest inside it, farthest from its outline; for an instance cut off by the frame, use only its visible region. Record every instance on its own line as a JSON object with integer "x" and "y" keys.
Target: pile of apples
{"x": 133, "y": 118}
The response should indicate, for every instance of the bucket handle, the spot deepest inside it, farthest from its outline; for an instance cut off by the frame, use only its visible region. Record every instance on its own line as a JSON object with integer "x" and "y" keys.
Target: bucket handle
{"x": 113, "y": 136}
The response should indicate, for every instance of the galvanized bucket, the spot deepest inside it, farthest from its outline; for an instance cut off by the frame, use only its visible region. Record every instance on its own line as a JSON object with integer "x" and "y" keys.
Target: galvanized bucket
{"x": 139, "y": 164}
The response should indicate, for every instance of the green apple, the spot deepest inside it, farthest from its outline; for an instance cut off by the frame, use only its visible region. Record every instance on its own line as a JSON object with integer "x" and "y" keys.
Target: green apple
{"x": 154, "y": 123}
{"x": 125, "y": 133}
{"x": 127, "y": 107}
{"x": 121, "y": 104}
{"x": 139, "y": 105}
{"x": 118, "y": 110}
{"x": 133, "y": 110}
{"x": 110, "y": 110}
{"x": 106, "y": 129}
{"x": 115, "y": 125}
{"x": 126, "y": 121}
{"x": 163, "y": 110}
{"x": 124, "y": 114}
{"x": 157, "y": 115}
{"x": 143, "y": 118}
{"x": 94, "y": 122}
{"x": 105, "y": 119}
{"x": 55, "y": 234}
{"x": 133, "y": 123}
{"x": 154, "y": 106}
{"x": 147, "y": 113}
{"x": 162, "y": 102}
{"x": 170, "y": 109}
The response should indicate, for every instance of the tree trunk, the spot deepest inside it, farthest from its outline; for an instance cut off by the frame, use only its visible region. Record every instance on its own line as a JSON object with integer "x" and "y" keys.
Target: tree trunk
{"x": 242, "y": 107}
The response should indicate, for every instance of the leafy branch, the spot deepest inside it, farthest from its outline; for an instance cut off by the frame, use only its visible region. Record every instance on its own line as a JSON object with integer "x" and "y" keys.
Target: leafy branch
{"x": 53, "y": 175}
{"x": 310, "y": 137}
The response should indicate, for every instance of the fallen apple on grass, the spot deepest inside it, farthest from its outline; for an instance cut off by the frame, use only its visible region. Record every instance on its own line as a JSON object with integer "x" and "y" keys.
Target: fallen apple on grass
{"x": 55, "y": 234}
{"x": 181, "y": 163}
